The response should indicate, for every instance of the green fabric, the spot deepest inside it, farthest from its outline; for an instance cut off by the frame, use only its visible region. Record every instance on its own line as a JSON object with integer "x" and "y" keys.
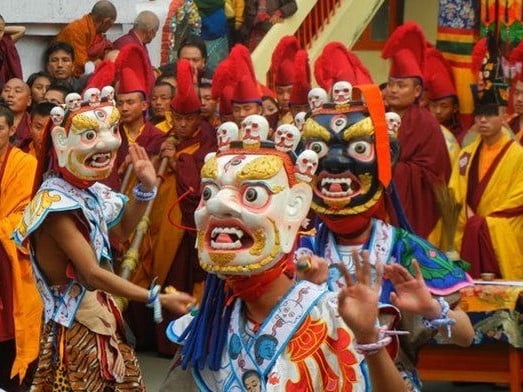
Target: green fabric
{"x": 206, "y": 7}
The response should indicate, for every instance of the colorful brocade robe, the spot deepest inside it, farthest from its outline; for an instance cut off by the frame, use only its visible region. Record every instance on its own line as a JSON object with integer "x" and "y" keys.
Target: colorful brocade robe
{"x": 303, "y": 345}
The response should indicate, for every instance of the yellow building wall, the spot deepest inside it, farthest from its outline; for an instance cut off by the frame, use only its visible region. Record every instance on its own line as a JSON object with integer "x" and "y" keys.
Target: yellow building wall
{"x": 423, "y": 12}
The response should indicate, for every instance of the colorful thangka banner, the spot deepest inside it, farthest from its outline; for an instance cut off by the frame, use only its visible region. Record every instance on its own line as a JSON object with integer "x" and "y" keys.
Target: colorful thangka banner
{"x": 504, "y": 19}
{"x": 457, "y": 32}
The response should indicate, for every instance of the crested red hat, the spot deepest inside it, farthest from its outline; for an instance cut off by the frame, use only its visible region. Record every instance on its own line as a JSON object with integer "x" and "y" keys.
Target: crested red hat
{"x": 104, "y": 75}
{"x": 225, "y": 105}
{"x": 282, "y": 62}
{"x": 223, "y": 83}
{"x": 406, "y": 49}
{"x": 516, "y": 63}
{"x": 186, "y": 100}
{"x": 439, "y": 80}
{"x": 138, "y": 76}
{"x": 302, "y": 79}
{"x": 337, "y": 63}
{"x": 246, "y": 89}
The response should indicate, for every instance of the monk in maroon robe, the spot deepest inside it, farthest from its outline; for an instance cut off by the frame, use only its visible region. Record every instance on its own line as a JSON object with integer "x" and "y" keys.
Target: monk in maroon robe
{"x": 17, "y": 96}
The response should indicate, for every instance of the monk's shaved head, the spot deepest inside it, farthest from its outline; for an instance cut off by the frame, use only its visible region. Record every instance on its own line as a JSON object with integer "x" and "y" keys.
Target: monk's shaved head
{"x": 18, "y": 83}
{"x": 103, "y": 9}
{"x": 146, "y": 20}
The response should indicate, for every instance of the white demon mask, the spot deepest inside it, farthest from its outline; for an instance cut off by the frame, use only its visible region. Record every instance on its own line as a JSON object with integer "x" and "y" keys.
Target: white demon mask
{"x": 317, "y": 97}
{"x": 254, "y": 129}
{"x": 73, "y": 101}
{"x": 108, "y": 92}
{"x": 57, "y": 115}
{"x": 92, "y": 96}
{"x": 342, "y": 92}
{"x": 250, "y": 211}
{"x": 226, "y": 133}
{"x": 287, "y": 137}
{"x": 299, "y": 120}
{"x": 306, "y": 166}
{"x": 87, "y": 149}
{"x": 393, "y": 123}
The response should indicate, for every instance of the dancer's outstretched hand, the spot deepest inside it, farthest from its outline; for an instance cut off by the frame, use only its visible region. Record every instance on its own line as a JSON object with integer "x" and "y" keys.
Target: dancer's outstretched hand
{"x": 412, "y": 294}
{"x": 143, "y": 167}
{"x": 358, "y": 302}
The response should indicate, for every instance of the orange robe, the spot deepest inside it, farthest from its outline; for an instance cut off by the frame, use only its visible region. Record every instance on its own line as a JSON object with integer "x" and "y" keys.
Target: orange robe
{"x": 16, "y": 185}
{"x": 80, "y": 34}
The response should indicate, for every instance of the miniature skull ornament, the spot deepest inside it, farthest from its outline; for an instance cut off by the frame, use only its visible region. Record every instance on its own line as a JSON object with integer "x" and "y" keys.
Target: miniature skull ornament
{"x": 108, "y": 92}
{"x": 317, "y": 97}
{"x": 226, "y": 133}
{"x": 73, "y": 101}
{"x": 287, "y": 137}
{"x": 306, "y": 166}
{"x": 342, "y": 92}
{"x": 92, "y": 96}
{"x": 254, "y": 129}
{"x": 57, "y": 115}
{"x": 299, "y": 120}
{"x": 393, "y": 123}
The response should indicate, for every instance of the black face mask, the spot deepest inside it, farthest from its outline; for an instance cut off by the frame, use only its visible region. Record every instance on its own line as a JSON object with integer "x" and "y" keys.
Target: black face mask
{"x": 347, "y": 171}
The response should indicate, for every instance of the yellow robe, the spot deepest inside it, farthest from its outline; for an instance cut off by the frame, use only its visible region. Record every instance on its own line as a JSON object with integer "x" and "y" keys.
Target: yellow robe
{"x": 15, "y": 193}
{"x": 453, "y": 149}
{"x": 503, "y": 192}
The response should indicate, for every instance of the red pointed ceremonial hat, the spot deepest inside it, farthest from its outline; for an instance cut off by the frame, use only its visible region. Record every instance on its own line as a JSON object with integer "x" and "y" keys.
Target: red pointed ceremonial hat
{"x": 282, "y": 62}
{"x": 104, "y": 75}
{"x": 406, "y": 49}
{"x": 246, "y": 89}
{"x": 223, "y": 83}
{"x": 186, "y": 100}
{"x": 302, "y": 79}
{"x": 337, "y": 63}
{"x": 137, "y": 74}
{"x": 516, "y": 62}
{"x": 439, "y": 80}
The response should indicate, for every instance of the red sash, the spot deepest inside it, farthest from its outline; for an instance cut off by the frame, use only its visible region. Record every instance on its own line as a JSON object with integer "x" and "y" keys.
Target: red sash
{"x": 476, "y": 246}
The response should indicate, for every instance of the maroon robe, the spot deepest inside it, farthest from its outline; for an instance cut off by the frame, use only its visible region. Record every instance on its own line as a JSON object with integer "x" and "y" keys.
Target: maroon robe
{"x": 23, "y": 136}
{"x": 10, "y": 65}
{"x": 151, "y": 139}
{"x": 476, "y": 245}
{"x": 514, "y": 126}
{"x": 423, "y": 163}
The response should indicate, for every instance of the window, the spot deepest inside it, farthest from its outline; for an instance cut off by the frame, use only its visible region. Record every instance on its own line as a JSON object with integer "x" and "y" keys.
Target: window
{"x": 387, "y": 18}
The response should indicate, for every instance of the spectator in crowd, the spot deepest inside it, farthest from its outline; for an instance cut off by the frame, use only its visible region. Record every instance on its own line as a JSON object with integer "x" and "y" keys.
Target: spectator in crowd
{"x": 168, "y": 75}
{"x": 38, "y": 82}
{"x": 234, "y": 12}
{"x": 160, "y": 102}
{"x": 193, "y": 49}
{"x": 87, "y": 35}
{"x": 271, "y": 110}
{"x": 20, "y": 305}
{"x": 144, "y": 30}
{"x": 261, "y": 15}
{"x": 10, "y": 66}
{"x": 208, "y": 108}
{"x": 56, "y": 94}
{"x": 17, "y": 96}
{"x": 516, "y": 122}
{"x": 40, "y": 114}
{"x": 214, "y": 30}
{"x": 59, "y": 59}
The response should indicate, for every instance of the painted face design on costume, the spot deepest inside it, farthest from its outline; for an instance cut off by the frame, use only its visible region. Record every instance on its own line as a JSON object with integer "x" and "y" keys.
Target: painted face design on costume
{"x": 346, "y": 182}
{"x": 254, "y": 129}
{"x": 249, "y": 212}
{"x": 57, "y": 115}
{"x": 108, "y": 92}
{"x": 299, "y": 120}
{"x": 287, "y": 137}
{"x": 92, "y": 96}
{"x": 393, "y": 123}
{"x": 342, "y": 92}
{"x": 88, "y": 149}
{"x": 317, "y": 97}
{"x": 226, "y": 133}
{"x": 306, "y": 166}
{"x": 73, "y": 101}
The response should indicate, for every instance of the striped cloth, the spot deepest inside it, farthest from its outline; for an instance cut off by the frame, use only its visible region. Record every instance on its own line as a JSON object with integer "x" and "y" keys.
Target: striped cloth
{"x": 456, "y": 36}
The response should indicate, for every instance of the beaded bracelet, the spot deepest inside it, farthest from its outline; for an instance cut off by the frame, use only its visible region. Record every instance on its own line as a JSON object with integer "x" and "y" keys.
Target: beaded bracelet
{"x": 443, "y": 320}
{"x": 141, "y": 195}
{"x": 373, "y": 348}
{"x": 153, "y": 301}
